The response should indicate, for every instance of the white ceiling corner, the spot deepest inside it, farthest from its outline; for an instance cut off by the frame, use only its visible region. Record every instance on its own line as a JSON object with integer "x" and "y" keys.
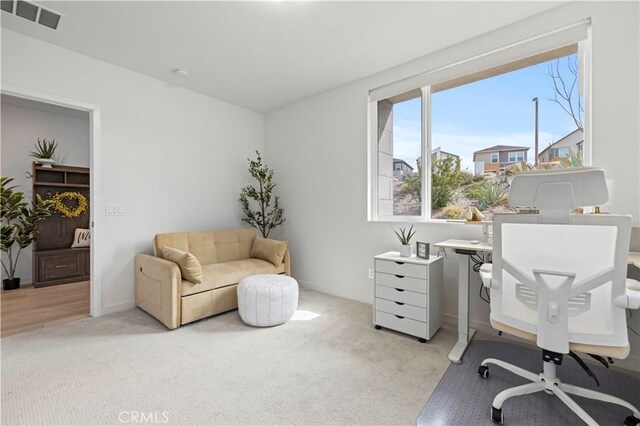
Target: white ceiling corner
{"x": 265, "y": 55}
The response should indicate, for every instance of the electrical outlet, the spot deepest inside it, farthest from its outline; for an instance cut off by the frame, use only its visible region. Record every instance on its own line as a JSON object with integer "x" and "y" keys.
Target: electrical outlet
{"x": 371, "y": 273}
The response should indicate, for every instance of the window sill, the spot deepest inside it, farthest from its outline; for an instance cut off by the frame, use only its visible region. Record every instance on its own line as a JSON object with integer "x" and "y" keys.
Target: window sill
{"x": 418, "y": 219}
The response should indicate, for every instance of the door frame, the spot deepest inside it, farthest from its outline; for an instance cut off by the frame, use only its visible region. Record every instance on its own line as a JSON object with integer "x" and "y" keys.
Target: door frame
{"x": 95, "y": 297}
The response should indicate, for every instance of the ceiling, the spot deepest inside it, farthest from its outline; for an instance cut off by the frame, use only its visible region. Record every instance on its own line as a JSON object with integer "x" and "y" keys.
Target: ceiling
{"x": 265, "y": 55}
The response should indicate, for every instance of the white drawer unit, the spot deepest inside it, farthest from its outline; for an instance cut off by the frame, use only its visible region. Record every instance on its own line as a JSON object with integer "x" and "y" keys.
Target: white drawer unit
{"x": 408, "y": 294}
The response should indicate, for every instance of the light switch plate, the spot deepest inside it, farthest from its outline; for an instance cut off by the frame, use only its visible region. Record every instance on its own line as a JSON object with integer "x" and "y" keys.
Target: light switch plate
{"x": 115, "y": 210}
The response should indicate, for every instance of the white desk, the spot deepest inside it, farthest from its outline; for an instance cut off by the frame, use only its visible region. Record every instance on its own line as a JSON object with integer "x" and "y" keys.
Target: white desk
{"x": 465, "y": 334}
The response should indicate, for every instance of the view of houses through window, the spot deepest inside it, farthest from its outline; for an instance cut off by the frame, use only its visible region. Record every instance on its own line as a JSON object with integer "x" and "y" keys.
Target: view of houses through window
{"x": 482, "y": 133}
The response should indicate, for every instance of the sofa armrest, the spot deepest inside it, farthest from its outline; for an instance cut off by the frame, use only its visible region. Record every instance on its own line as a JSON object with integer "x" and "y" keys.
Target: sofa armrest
{"x": 159, "y": 288}
{"x": 287, "y": 262}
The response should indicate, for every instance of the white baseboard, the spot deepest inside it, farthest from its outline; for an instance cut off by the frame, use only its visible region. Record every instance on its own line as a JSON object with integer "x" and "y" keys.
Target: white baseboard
{"x": 26, "y": 280}
{"x": 338, "y": 291}
{"x": 117, "y": 307}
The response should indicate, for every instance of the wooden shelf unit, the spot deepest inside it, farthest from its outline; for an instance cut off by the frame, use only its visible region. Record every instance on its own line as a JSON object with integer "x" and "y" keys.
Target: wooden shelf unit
{"x": 54, "y": 261}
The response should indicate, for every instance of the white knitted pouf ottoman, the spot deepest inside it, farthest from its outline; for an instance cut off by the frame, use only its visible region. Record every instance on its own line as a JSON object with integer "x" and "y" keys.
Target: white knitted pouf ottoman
{"x": 266, "y": 300}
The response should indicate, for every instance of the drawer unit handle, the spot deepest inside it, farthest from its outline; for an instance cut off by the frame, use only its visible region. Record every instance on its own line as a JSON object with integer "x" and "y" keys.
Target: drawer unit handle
{"x": 61, "y": 266}
{"x": 400, "y": 276}
{"x": 399, "y": 289}
{"x": 399, "y": 303}
{"x": 400, "y": 263}
{"x": 399, "y": 317}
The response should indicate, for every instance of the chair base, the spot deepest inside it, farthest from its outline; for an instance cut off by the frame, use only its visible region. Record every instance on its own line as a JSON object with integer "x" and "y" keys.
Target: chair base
{"x": 549, "y": 382}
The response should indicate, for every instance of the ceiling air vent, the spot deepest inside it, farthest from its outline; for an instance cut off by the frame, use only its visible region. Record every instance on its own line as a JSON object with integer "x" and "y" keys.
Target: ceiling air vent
{"x": 32, "y": 12}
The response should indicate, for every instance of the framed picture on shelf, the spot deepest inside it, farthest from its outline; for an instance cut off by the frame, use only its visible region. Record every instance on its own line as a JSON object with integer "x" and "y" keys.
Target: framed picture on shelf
{"x": 422, "y": 249}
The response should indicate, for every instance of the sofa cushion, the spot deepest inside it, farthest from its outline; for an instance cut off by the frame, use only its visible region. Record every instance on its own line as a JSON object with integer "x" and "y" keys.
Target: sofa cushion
{"x": 219, "y": 275}
{"x": 188, "y": 264}
{"x": 270, "y": 250}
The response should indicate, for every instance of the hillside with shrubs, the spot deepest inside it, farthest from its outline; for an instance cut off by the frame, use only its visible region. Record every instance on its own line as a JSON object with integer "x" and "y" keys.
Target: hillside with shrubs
{"x": 452, "y": 189}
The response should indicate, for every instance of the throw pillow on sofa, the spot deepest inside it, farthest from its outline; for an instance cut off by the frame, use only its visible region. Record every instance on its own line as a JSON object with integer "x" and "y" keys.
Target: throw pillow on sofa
{"x": 188, "y": 263}
{"x": 272, "y": 251}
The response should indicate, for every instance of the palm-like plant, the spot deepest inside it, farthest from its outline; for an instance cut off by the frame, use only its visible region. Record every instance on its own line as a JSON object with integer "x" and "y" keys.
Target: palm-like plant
{"x": 44, "y": 149}
{"x": 493, "y": 194}
{"x": 405, "y": 235}
{"x": 19, "y": 223}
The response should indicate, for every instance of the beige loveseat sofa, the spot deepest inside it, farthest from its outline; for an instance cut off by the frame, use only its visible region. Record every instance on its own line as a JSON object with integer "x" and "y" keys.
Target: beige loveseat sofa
{"x": 225, "y": 258}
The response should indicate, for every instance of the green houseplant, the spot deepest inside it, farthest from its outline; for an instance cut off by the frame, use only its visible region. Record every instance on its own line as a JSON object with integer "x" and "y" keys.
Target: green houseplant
{"x": 44, "y": 152}
{"x": 19, "y": 227}
{"x": 405, "y": 235}
{"x": 266, "y": 217}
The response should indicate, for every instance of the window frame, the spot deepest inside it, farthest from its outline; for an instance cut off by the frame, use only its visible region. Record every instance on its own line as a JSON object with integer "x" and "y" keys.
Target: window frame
{"x": 516, "y": 154}
{"x": 445, "y": 75}
{"x": 497, "y": 155}
{"x": 555, "y": 152}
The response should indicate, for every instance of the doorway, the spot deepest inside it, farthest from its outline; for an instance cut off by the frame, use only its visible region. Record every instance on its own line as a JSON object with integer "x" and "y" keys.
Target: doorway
{"x": 60, "y": 271}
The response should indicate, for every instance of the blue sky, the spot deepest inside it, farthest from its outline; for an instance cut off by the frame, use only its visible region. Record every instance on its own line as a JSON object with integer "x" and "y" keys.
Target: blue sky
{"x": 489, "y": 112}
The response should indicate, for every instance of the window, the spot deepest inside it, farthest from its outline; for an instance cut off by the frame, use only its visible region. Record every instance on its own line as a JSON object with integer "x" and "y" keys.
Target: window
{"x": 398, "y": 140}
{"x": 445, "y": 119}
{"x": 516, "y": 156}
{"x": 560, "y": 152}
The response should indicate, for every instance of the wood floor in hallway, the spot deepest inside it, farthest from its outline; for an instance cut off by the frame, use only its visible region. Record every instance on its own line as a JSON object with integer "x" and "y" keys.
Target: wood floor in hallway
{"x": 29, "y": 308}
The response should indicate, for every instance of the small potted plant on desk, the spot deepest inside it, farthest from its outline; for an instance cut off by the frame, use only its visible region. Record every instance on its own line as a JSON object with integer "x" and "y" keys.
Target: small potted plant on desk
{"x": 405, "y": 236}
{"x": 19, "y": 227}
{"x": 44, "y": 152}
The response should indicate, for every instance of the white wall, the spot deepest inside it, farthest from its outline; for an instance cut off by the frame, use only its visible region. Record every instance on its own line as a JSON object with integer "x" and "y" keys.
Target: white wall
{"x": 21, "y": 126}
{"x": 174, "y": 158}
{"x": 309, "y": 143}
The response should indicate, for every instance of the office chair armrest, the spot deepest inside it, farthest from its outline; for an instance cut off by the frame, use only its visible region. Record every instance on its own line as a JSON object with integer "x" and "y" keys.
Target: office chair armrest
{"x": 485, "y": 274}
{"x": 631, "y": 298}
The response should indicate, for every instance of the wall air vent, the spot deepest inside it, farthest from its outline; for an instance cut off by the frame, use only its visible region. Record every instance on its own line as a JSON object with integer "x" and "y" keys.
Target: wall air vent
{"x": 32, "y": 12}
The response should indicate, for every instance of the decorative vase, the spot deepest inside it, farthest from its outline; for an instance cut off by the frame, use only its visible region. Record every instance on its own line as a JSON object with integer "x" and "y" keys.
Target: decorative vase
{"x": 405, "y": 250}
{"x": 10, "y": 283}
{"x": 46, "y": 162}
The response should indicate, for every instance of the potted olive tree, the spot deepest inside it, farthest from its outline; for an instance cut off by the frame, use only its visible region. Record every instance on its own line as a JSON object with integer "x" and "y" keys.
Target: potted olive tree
{"x": 19, "y": 227}
{"x": 265, "y": 216}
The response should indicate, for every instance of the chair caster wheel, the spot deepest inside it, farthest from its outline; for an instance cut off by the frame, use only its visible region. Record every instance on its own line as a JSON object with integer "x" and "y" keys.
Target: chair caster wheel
{"x": 421, "y": 340}
{"x": 631, "y": 421}
{"x": 378, "y": 327}
{"x": 496, "y": 415}
{"x": 483, "y": 371}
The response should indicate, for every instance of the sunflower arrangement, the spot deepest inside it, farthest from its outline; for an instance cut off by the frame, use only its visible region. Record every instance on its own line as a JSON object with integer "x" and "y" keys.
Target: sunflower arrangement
{"x": 64, "y": 209}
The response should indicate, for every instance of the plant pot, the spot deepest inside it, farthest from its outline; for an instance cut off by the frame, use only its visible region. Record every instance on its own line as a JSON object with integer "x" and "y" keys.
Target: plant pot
{"x": 10, "y": 283}
{"x": 46, "y": 162}
{"x": 405, "y": 250}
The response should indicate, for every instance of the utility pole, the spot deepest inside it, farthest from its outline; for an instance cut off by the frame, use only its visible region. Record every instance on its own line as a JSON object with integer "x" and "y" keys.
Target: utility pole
{"x": 535, "y": 163}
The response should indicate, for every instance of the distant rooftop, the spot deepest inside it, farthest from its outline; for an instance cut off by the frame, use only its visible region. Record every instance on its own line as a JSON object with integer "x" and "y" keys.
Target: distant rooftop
{"x": 496, "y": 148}
{"x": 399, "y": 160}
{"x": 576, "y": 131}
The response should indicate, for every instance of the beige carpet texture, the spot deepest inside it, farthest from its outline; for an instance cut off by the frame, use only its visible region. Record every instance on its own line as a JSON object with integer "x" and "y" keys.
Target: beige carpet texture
{"x": 328, "y": 365}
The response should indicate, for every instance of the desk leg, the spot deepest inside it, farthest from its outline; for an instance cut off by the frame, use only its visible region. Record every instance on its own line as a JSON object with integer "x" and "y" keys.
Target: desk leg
{"x": 465, "y": 334}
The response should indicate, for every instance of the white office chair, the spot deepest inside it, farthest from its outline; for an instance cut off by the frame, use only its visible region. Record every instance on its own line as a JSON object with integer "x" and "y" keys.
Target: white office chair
{"x": 559, "y": 279}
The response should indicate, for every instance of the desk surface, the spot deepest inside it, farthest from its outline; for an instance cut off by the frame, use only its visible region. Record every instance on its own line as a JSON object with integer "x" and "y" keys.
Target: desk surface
{"x": 395, "y": 256}
{"x": 464, "y": 245}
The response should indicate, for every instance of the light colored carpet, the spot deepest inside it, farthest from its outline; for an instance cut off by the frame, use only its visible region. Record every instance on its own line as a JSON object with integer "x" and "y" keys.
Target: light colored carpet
{"x": 331, "y": 369}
